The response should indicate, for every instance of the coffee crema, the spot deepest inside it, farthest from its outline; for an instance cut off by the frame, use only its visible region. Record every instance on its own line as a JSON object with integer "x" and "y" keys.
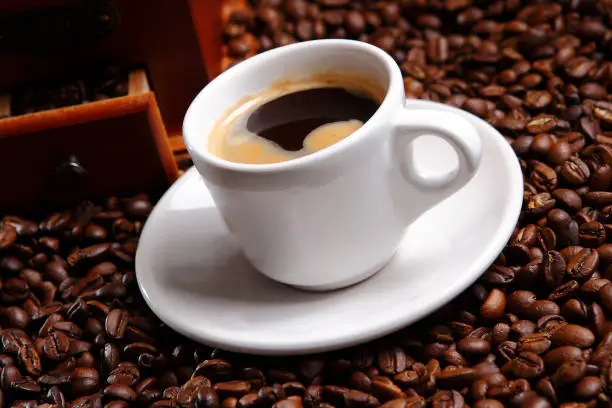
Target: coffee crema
{"x": 295, "y": 118}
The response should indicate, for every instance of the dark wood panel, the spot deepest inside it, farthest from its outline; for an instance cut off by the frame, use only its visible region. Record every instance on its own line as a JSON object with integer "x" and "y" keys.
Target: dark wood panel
{"x": 121, "y": 144}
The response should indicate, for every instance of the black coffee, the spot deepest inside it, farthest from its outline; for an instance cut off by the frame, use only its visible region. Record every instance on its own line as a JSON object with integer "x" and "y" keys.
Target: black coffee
{"x": 288, "y": 120}
{"x": 291, "y": 120}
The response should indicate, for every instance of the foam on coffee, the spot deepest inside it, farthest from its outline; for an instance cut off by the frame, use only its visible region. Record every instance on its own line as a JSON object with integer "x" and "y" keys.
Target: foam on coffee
{"x": 294, "y": 118}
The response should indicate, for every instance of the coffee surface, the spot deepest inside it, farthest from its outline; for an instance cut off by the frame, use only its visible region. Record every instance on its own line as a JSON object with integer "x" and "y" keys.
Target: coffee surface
{"x": 292, "y": 120}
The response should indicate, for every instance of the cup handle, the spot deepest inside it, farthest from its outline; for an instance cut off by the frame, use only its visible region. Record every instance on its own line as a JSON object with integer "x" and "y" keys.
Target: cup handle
{"x": 423, "y": 192}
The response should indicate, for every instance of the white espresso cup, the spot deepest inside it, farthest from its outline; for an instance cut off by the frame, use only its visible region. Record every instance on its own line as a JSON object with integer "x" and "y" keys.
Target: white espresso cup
{"x": 335, "y": 217}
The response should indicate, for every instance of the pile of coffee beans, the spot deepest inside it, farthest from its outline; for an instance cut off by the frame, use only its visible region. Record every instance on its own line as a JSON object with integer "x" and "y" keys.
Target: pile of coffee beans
{"x": 535, "y": 330}
{"x": 102, "y": 83}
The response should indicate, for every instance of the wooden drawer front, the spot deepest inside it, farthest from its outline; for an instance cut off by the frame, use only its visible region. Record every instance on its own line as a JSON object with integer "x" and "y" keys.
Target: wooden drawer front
{"x": 120, "y": 143}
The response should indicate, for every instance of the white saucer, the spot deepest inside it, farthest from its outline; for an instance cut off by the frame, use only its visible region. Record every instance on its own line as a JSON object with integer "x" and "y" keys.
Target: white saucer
{"x": 194, "y": 277}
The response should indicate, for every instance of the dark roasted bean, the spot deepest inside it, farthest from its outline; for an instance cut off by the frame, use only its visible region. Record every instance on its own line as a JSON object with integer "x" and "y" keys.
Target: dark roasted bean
{"x": 392, "y": 361}
{"x": 573, "y": 335}
{"x": 385, "y": 390}
{"x": 207, "y": 398}
{"x": 232, "y": 388}
{"x": 525, "y": 365}
{"x": 588, "y": 388}
{"x": 126, "y": 374}
{"x": 120, "y": 391}
{"x": 29, "y": 358}
{"x": 188, "y": 392}
{"x": 358, "y": 399}
{"x": 84, "y": 381}
{"x": 116, "y": 323}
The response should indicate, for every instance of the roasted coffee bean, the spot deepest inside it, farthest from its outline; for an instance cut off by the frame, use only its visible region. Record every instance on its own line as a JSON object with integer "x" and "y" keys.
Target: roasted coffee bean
{"x": 116, "y": 323}
{"x": 494, "y": 305}
{"x": 293, "y": 388}
{"x": 354, "y": 398}
{"x": 588, "y": 388}
{"x": 84, "y": 381}
{"x": 564, "y": 291}
{"x": 291, "y": 402}
{"x": 473, "y": 347}
{"x": 582, "y": 265}
{"x": 120, "y": 391}
{"x": 542, "y": 144}
{"x": 14, "y": 289}
{"x": 110, "y": 357}
{"x": 536, "y": 99}
{"x": 569, "y": 373}
{"x": 599, "y": 198}
{"x": 543, "y": 177}
{"x": 553, "y": 268}
{"x": 313, "y": 396}
{"x": 575, "y": 171}
{"x": 573, "y": 335}
{"x": 95, "y": 232}
{"x": 188, "y": 393}
{"x": 559, "y": 153}
{"x": 232, "y": 388}
{"x": 68, "y": 328}
{"x": 334, "y": 394}
{"x": 282, "y": 376}
{"x": 537, "y": 343}
{"x": 522, "y": 328}
{"x": 447, "y": 399}
{"x": 519, "y": 301}
{"x": 392, "y": 361}
{"x": 56, "y": 346}
{"x": 29, "y": 358}
{"x": 592, "y": 287}
{"x": 541, "y": 124}
{"x": 248, "y": 400}
{"x": 9, "y": 376}
{"x": 207, "y": 398}
{"x": 592, "y": 234}
{"x": 453, "y": 376}
{"x": 488, "y": 403}
{"x": 605, "y": 295}
{"x": 253, "y": 375}
{"x": 126, "y": 374}
{"x": 16, "y": 317}
{"x": 500, "y": 333}
{"x": 499, "y": 275}
{"x": 517, "y": 254}
{"x": 8, "y": 234}
{"x": 56, "y": 271}
{"x": 574, "y": 310}
{"x": 540, "y": 204}
{"x": 92, "y": 254}
{"x": 588, "y": 214}
{"x": 525, "y": 365}
{"x": 384, "y": 389}
{"x": 550, "y": 323}
{"x": 117, "y": 404}
{"x": 541, "y": 308}
{"x": 408, "y": 378}
{"x": 362, "y": 382}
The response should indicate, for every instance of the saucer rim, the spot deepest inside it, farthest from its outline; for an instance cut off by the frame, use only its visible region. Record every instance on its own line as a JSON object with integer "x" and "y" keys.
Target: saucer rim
{"x": 269, "y": 346}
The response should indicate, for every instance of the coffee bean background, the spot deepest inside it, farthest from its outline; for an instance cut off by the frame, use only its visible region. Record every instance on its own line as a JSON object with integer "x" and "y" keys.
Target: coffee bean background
{"x": 535, "y": 330}
{"x": 99, "y": 84}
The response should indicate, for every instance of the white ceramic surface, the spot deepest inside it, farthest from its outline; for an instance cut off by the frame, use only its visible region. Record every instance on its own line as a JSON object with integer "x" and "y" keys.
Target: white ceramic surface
{"x": 194, "y": 277}
{"x": 335, "y": 217}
